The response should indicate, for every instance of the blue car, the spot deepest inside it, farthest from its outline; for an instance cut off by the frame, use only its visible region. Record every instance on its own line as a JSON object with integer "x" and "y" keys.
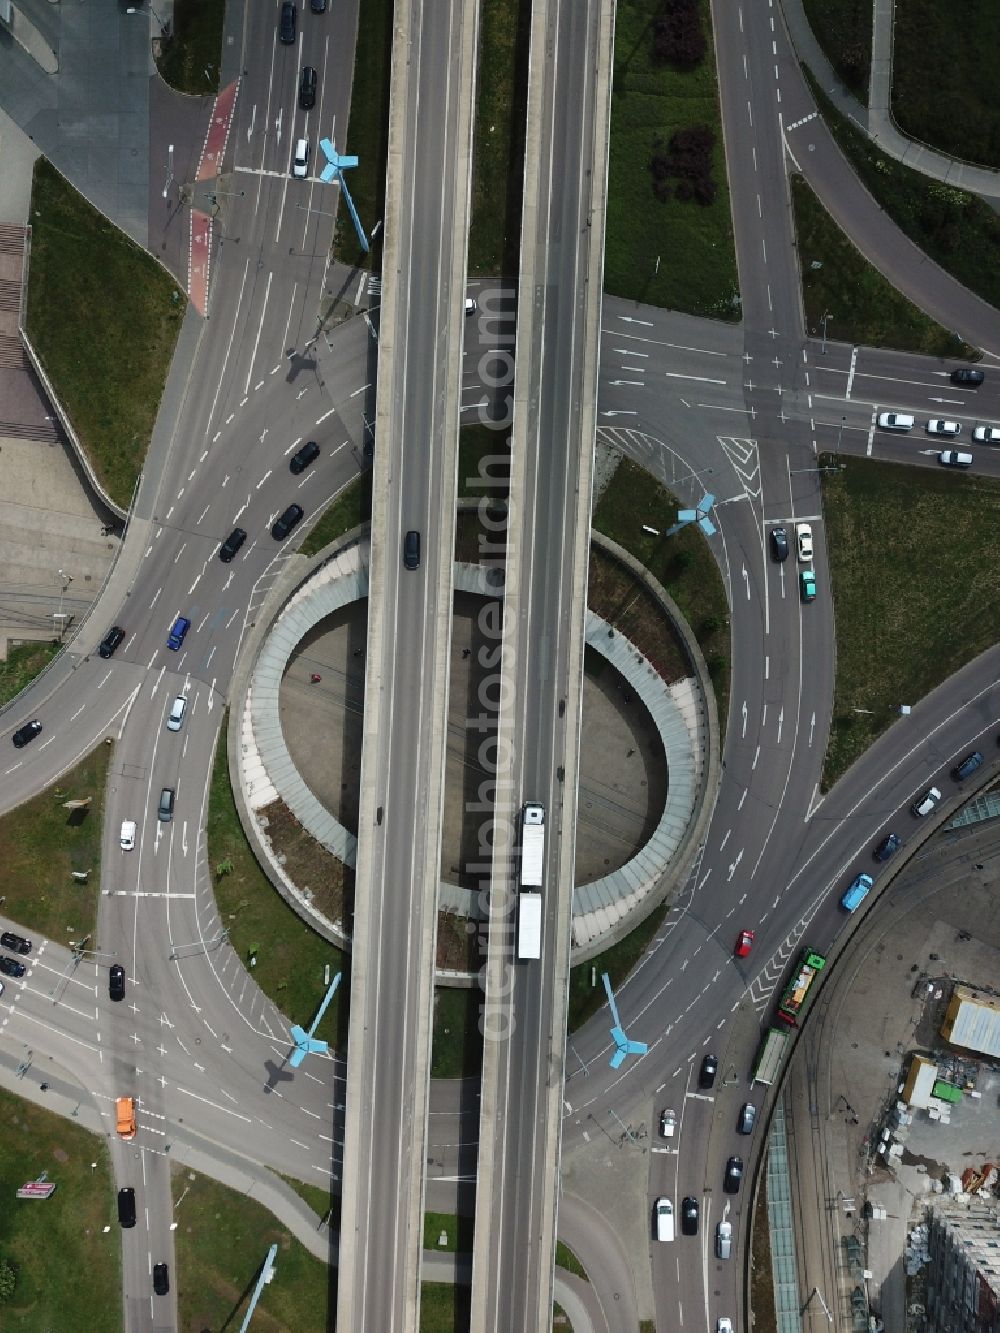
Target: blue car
{"x": 807, "y": 585}
{"x": 857, "y": 893}
{"x": 176, "y": 636}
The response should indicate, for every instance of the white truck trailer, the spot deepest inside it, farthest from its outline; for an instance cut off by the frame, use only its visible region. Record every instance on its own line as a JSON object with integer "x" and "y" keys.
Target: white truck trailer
{"x": 529, "y": 905}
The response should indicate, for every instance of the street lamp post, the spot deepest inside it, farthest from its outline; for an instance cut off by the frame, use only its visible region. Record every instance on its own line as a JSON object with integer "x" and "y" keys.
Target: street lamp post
{"x": 170, "y": 170}
{"x": 826, "y": 316}
{"x": 840, "y": 433}
{"x": 65, "y": 580}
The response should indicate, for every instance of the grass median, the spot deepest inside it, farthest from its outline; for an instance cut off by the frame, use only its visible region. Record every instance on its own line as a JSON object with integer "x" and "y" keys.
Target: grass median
{"x": 42, "y": 844}
{"x": 677, "y": 254}
{"x": 104, "y": 319}
{"x": 956, "y": 229}
{"x": 861, "y": 305}
{"x": 65, "y": 1250}
{"x": 290, "y": 957}
{"x": 912, "y": 605}
{"x": 498, "y": 161}
{"x": 367, "y": 133}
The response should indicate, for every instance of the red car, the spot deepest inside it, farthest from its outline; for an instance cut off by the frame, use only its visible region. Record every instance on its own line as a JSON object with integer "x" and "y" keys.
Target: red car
{"x": 744, "y": 944}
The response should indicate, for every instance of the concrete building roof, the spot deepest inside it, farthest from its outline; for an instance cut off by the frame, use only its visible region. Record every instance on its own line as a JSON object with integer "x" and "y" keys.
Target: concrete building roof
{"x": 973, "y": 1022}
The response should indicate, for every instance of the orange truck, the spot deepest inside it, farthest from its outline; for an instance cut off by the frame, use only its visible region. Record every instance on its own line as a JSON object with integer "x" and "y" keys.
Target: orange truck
{"x": 125, "y": 1114}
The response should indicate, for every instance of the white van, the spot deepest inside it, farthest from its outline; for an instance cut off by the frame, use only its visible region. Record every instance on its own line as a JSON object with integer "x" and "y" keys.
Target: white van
{"x": 664, "y": 1213}
{"x": 895, "y": 421}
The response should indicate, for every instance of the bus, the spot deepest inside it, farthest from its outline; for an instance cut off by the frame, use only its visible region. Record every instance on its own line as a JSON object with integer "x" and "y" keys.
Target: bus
{"x": 796, "y": 993}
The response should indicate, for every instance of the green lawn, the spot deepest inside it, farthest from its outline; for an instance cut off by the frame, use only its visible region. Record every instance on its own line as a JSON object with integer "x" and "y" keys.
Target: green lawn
{"x": 222, "y": 1239}
{"x": 290, "y": 956}
{"x": 68, "y": 1266}
{"x": 683, "y": 563}
{"x": 41, "y": 844}
{"x": 189, "y": 59}
{"x": 934, "y": 46}
{"x": 843, "y": 29}
{"x": 565, "y": 1258}
{"x": 23, "y": 664}
{"x": 498, "y": 146}
{"x": 694, "y": 244}
{"x": 457, "y": 1229}
{"x": 444, "y": 1308}
{"x": 352, "y": 506}
{"x": 104, "y": 318}
{"x": 483, "y": 462}
{"x": 862, "y": 305}
{"x": 367, "y": 133}
{"x": 933, "y": 540}
{"x": 618, "y": 962}
{"x": 958, "y": 230}
{"x": 457, "y": 1044}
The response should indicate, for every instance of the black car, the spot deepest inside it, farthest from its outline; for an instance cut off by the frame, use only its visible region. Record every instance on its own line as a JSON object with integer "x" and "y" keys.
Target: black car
{"x": 286, "y": 27}
{"x": 161, "y": 1279}
{"x": 301, "y": 460}
{"x": 967, "y": 375}
{"x": 111, "y": 640}
{"x": 689, "y": 1216}
{"x": 116, "y": 982}
{"x": 231, "y": 545}
{"x": 779, "y": 543}
{"x": 126, "y": 1206}
{"x": 411, "y": 550}
{"x": 888, "y": 846}
{"x": 967, "y": 767}
{"x": 288, "y": 520}
{"x": 708, "y": 1071}
{"x": 318, "y": 6}
{"x": 10, "y": 967}
{"x": 16, "y": 943}
{"x": 27, "y": 733}
{"x": 733, "y": 1176}
{"x": 307, "y": 88}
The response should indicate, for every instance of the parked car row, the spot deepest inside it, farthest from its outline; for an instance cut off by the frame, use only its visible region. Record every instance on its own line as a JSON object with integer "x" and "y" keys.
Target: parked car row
{"x": 925, "y": 804}
{"x": 804, "y": 551}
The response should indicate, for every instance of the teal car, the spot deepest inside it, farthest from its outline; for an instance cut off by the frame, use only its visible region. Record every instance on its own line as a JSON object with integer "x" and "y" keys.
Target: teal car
{"x": 857, "y": 893}
{"x": 807, "y": 585}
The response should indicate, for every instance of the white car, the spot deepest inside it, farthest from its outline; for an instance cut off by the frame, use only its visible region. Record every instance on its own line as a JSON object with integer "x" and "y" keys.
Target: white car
{"x": 804, "y": 541}
{"x": 668, "y": 1123}
{"x": 927, "y": 802}
{"x": 986, "y": 434}
{"x": 895, "y": 421}
{"x": 955, "y": 458}
{"x": 470, "y": 306}
{"x": 128, "y": 835}
{"x": 724, "y": 1325}
{"x": 937, "y": 426}
{"x": 300, "y": 162}
{"x": 177, "y": 710}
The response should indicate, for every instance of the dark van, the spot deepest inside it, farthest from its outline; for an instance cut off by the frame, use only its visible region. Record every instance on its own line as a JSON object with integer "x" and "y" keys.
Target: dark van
{"x": 307, "y": 88}
{"x": 286, "y": 26}
{"x": 411, "y": 550}
{"x": 126, "y": 1207}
